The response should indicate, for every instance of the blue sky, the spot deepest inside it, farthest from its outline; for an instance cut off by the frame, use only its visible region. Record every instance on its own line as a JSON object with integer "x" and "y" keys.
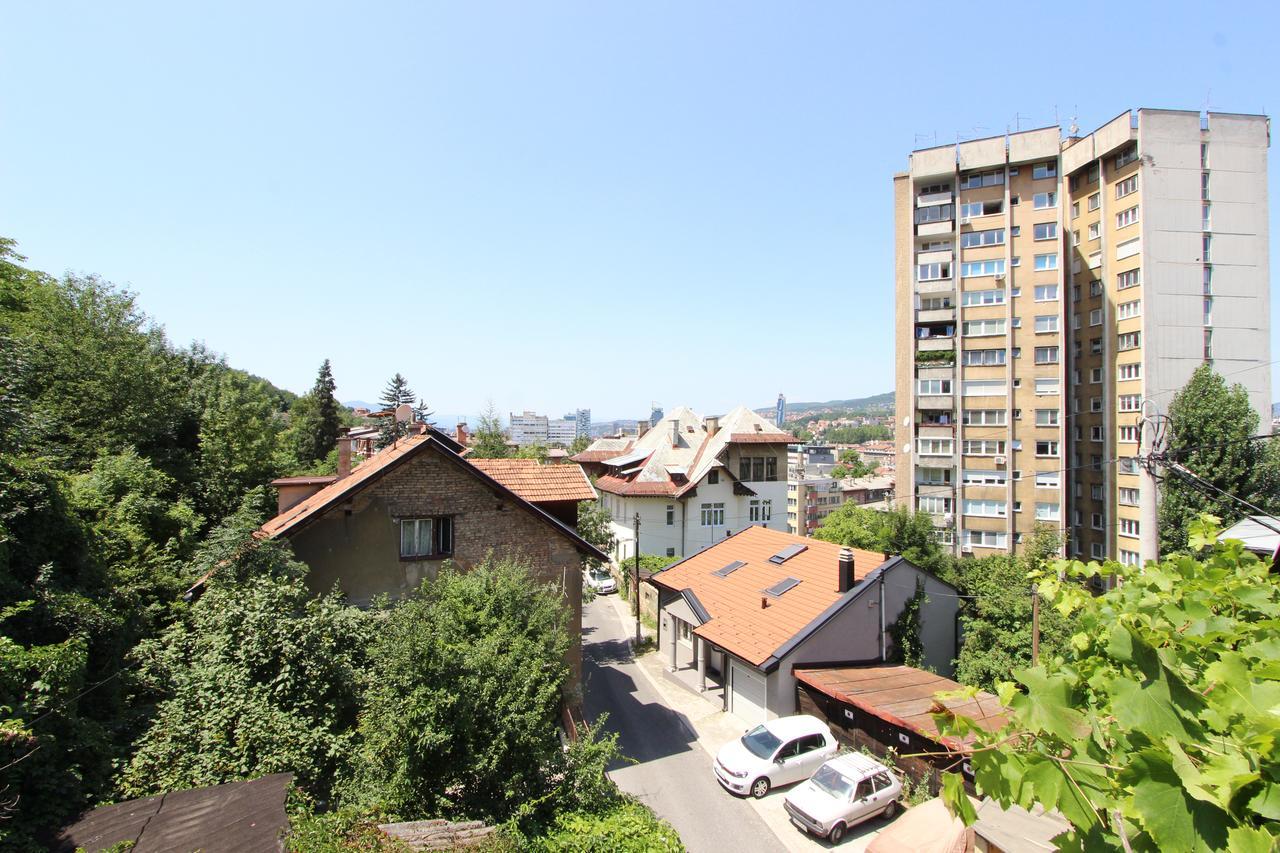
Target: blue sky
{"x": 548, "y": 205}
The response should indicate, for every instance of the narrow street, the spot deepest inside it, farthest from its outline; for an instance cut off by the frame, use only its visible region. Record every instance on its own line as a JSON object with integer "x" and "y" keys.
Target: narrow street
{"x": 671, "y": 773}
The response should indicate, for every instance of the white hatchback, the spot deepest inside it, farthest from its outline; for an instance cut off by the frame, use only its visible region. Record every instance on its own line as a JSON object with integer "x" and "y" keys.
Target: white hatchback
{"x": 600, "y": 580}
{"x": 845, "y": 791}
{"x": 777, "y": 752}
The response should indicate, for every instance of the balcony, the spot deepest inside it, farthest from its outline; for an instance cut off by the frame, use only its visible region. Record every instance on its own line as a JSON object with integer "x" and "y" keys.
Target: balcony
{"x": 936, "y": 401}
{"x": 937, "y": 285}
{"x": 930, "y": 229}
{"x": 936, "y": 315}
{"x": 938, "y": 256}
{"x": 936, "y": 430}
{"x": 938, "y": 344}
{"x": 926, "y": 199}
{"x": 934, "y": 369}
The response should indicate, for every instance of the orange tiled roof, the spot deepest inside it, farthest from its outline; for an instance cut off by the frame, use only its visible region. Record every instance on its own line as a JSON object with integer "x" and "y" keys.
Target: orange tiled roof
{"x": 538, "y": 483}
{"x": 738, "y": 623}
{"x": 622, "y": 486}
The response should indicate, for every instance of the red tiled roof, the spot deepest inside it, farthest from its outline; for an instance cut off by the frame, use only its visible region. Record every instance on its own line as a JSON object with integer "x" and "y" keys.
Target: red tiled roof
{"x": 762, "y": 438}
{"x": 620, "y": 486}
{"x": 903, "y": 696}
{"x": 539, "y": 483}
{"x": 595, "y": 455}
{"x": 738, "y": 623}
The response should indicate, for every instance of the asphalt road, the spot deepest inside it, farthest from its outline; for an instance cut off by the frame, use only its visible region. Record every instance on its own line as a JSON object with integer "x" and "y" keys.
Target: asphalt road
{"x": 671, "y": 773}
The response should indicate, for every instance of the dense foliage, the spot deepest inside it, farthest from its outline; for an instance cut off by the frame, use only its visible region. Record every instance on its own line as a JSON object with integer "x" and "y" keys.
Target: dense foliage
{"x": 489, "y": 441}
{"x": 1157, "y": 727}
{"x": 893, "y": 531}
{"x": 595, "y": 526}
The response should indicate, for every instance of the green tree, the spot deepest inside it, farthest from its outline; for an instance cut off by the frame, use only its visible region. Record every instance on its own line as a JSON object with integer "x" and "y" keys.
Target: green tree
{"x": 489, "y": 441}
{"x": 579, "y": 444}
{"x": 892, "y": 531}
{"x": 239, "y": 429}
{"x": 595, "y": 526}
{"x": 324, "y": 434}
{"x": 628, "y": 827}
{"x": 1156, "y": 729}
{"x": 532, "y": 451}
{"x": 397, "y": 393}
{"x": 1210, "y": 425}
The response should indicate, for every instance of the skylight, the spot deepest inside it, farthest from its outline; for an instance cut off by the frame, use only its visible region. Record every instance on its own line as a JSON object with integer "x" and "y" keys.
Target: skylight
{"x": 787, "y": 553}
{"x": 781, "y": 586}
{"x": 729, "y": 569}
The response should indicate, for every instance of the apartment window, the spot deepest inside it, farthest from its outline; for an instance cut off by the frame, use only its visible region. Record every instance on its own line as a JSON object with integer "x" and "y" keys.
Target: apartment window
{"x": 970, "y": 298}
{"x": 934, "y": 213}
{"x": 933, "y": 272}
{"x": 983, "y": 447}
{"x": 1048, "y": 479}
{"x": 1128, "y": 496}
{"x": 1015, "y": 200}
{"x": 1015, "y": 230}
{"x": 1095, "y": 201}
{"x": 1127, "y": 465}
{"x": 1128, "y": 341}
{"x": 1043, "y": 201}
{"x": 934, "y": 303}
{"x": 981, "y": 208}
{"x": 1075, "y": 209}
{"x": 1044, "y": 170}
{"x": 1046, "y": 386}
{"x": 983, "y": 387}
{"x": 1130, "y": 558}
{"x": 1095, "y": 346}
{"x": 974, "y": 269}
{"x": 985, "y": 417}
{"x": 1047, "y": 448}
{"x": 1046, "y": 231}
{"x": 1095, "y": 317}
{"x": 1094, "y": 230}
{"x": 1015, "y": 322}
{"x": 974, "y": 477}
{"x": 982, "y": 179}
{"x": 1208, "y": 310}
{"x": 1095, "y": 404}
{"x": 930, "y": 387}
{"x": 1046, "y": 323}
{"x": 1046, "y": 355}
{"x": 1128, "y": 371}
{"x": 1095, "y": 261}
{"x": 1129, "y": 310}
{"x": 712, "y": 514}
{"x": 1048, "y": 511}
{"x": 1095, "y": 433}
{"x": 426, "y": 538}
{"x": 974, "y": 239}
{"x": 1096, "y": 550}
{"x": 1208, "y": 280}
{"x": 1127, "y": 156}
{"x": 1095, "y": 375}
{"x": 982, "y": 328}
{"x": 1128, "y": 434}
{"x": 935, "y": 446}
{"x": 1130, "y": 402}
{"x": 1205, "y": 216}
{"x": 759, "y": 469}
{"x": 984, "y": 357}
{"x": 671, "y": 514}
{"x": 1125, "y": 280}
{"x": 1046, "y": 417}
{"x": 1095, "y": 520}
{"x": 985, "y": 508}
{"x": 1204, "y": 185}
{"x": 1095, "y": 491}
{"x": 985, "y": 539}
{"x": 1046, "y": 292}
{"x": 1127, "y": 217}
{"x": 1127, "y": 187}
{"x": 1208, "y": 345}
{"x": 1129, "y": 527}
{"x": 934, "y": 505}
{"x": 933, "y": 476}
{"x": 1128, "y": 248}
{"x": 933, "y": 189}
{"x": 1017, "y": 353}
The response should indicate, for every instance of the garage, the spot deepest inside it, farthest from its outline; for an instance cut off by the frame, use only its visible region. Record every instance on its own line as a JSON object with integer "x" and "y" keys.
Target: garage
{"x": 746, "y": 693}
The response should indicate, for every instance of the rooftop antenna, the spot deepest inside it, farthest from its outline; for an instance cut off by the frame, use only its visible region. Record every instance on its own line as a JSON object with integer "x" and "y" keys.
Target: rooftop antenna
{"x": 931, "y": 136}
{"x": 1017, "y": 121}
{"x": 1074, "y": 130}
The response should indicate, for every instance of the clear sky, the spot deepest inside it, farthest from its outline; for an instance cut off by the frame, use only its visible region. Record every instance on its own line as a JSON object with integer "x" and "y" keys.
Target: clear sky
{"x": 545, "y": 204}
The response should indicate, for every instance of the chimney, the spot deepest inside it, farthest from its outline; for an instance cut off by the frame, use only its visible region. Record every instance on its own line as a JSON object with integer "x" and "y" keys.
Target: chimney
{"x": 712, "y": 425}
{"x": 764, "y": 602}
{"x": 344, "y": 454}
{"x": 846, "y": 570}
{"x": 641, "y": 428}
{"x": 675, "y": 432}
{"x": 460, "y": 434}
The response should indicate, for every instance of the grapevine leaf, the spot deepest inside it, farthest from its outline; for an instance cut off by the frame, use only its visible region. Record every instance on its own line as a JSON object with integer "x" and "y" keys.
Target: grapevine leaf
{"x": 1247, "y": 839}
{"x": 1267, "y": 801}
{"x": 957, "y": 799}
{"x": 1174, "y": 821}
{"x": 1047, "y": 704}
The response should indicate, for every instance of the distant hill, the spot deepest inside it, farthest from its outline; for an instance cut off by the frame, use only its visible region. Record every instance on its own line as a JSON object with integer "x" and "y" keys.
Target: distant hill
{"x": 361, "y": 404}
{"x": 879, "y": 401}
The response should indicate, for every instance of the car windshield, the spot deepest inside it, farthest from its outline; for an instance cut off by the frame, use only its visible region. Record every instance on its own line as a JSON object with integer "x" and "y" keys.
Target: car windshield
{"x": 599, "y": 575}
{"x": 833, "y": 781}
{"x": 761, "y": 742}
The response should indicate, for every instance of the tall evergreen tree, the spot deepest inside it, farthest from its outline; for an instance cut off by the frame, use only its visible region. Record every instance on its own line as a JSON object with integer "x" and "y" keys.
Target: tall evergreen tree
{"x": 1210, "y": 424}
{"x": 397, "y": 393}
{"x": 328, "y": 416}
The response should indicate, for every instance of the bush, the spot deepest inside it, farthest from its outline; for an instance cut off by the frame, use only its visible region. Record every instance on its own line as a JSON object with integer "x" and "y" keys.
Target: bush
{"x": 628, "y": 827}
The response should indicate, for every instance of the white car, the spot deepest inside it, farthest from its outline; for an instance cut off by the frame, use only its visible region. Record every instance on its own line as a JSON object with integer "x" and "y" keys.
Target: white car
{"x": 845, "y": 791}
{"x": 774, "y": 753}
{"x": 600, "y": 580}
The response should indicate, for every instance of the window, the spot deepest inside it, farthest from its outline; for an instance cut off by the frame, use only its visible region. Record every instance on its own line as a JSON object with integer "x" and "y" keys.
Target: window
{"x": 1095, "y": 404}
{"x": 934, "y": 213}
{"x": 1075, "y": 209}
{"x": 983, "y": 387}
{"x": 1127, "y": 187}
{"x": 1095, "y": 230}
{"x": 1043, "y": 201}
{"x": 1130, "y": 558}
{"x": 1208, "y": 310}
{"x": 756, "y": 469}
{"x": 935, "y": 446}
{"x": 1095, "y": 317}
{"x": 974, "y": 477}
{"x": 712, "y": 515}
{"x": 713, "y": 478}
{"x": 984, "y": 357}
{"x": 1095, "y": 201}
{"x": 985, "y": 538}
{"x": 1095, "y": 376}
{"x": 1048, "y": 511}
{"x": 1046, "y": 386}
{"x": 982, "y": 179}
{"x": 1095, "y": 520}
{"x": 987, "y": 508}
{"x": 934, "y": 505}
{"x": 1047, "y": 448}
{"x": 974, "y": 239}
{"x": 1128, "y": 496}
{"x": 1046, "y": 417}
{"x": 426, "y": 538}
{"x": 1095, "y": 491}
{"x": 983, "y": 447}
{"x": 1127, "y": 217}
{"x": 1127, "y": 465}
{"x": 1129, "y": 248}
{"x": 1095, "y": 433}
{"x": 970, "y": 298}
{"x": 1129, "y": 527}
{"x": 1125, "y": 280}
{"x": 1129, "y": 310}
{"x": 1129, "y": 371}
{"x": 1205, "y": 218}
{"x": 1095, "y": 287}
{"x": 1046, "y": 231}
{"x": 933, "y": 476}
{"x": 1130, "y": 402}
{"x": 933, "y": 272}
{"x": 981, "y": 208}
{"x": 1128, "y": 434}
{"x": 1048, "y": 479}
{"x": 1044, "y": 170}
{"x": 930, "y": 387}
{"x": 1046, "y": 292}
{"x": 1208, "y": 344}
{"x": 1096, "y": 550}
{"x": 671, "y": 514}
{"x": 973, "y": 269}
{"x": 1204, "y": 185}
{"x": 1127, "y": 156}
{"x": 1046, "y": 323}
{"x": 1128, "y": 341}
{"x": 985, "y": 417}
{"x": 982, "y": 328}
{"x": 761, "y": 510}
{"x": 1046, "y": 355}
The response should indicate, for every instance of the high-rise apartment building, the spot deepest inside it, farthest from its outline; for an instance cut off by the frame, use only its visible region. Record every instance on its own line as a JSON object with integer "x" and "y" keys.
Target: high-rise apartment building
{"x": 1048, "y": 293}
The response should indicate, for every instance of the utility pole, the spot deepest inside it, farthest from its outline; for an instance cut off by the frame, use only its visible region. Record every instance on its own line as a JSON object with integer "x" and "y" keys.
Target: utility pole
{"x": 636, "y": 587}
{"x": 1035, "y": 627}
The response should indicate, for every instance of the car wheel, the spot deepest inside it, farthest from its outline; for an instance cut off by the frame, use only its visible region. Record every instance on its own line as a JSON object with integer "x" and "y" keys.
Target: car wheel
{"x": 890, "y": 810}
{"x": 836, "y": 835}
{"x": 759, "y": 788}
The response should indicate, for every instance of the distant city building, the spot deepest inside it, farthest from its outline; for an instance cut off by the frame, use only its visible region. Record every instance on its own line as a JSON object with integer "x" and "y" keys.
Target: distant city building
{"x": 562, "y": 432}
{"x": 655, "y": 415}
{"x": 582, "y": 419}
{"x": 811, "y": 499}
{"x": 780, "y": 416}
{"x": 528, "y": 428}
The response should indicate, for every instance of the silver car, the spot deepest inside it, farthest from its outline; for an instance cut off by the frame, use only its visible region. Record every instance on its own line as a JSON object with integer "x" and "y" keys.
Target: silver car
{"x": 845, "y": 791}
{"x": 600, "y": 580}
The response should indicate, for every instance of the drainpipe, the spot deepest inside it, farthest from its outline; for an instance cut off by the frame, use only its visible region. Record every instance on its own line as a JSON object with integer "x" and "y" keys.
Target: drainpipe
{"x": 883, "y": 651}
{"x": 684, "y": 508}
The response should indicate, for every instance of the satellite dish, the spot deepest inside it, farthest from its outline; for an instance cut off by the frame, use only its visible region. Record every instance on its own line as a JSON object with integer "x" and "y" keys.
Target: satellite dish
{"x": 906, "y": 421}
{"x": 906, "y": 448}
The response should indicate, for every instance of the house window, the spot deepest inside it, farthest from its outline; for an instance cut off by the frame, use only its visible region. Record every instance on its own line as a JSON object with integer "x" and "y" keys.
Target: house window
{"x": 712, "y": 515}
{"x": 671, "y": 552}
{"x": 671, "y": 514}
{"x": 762, "y": 510}
{"x": 713, "y": 478}
{"x": 426, "y": 538}
{"x": 686, "y": 637}
{"x": 756, "y": 469}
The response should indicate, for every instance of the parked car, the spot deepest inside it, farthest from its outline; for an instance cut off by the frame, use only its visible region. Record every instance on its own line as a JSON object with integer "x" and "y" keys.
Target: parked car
{"x": 600, "y": 580}
{"x": 845, "y": 791}
{"x": 774, "y": 753}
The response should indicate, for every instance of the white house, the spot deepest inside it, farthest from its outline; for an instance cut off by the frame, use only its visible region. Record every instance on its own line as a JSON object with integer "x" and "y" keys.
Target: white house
{"x": 693, "y": 481}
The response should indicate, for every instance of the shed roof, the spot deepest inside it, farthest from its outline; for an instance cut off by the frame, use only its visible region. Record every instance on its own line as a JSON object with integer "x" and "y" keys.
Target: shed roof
{"x": 1257, "y": 532}
{"x": 903, "y": 696}
{"x": 539, "y": 483}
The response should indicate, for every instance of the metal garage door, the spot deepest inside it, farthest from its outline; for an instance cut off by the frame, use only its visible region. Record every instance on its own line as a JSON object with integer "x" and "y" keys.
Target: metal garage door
{"x": 747, "y": 693}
